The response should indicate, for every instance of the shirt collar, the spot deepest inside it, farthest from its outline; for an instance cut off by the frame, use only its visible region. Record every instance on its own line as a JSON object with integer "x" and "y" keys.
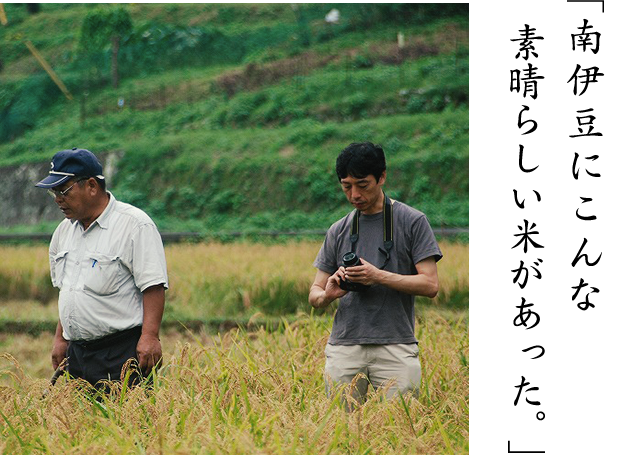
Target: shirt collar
{"x": 103, "y": 219}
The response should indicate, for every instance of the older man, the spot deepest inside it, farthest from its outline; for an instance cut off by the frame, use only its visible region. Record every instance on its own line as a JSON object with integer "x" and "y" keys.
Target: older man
{"x": 108, "y": 261}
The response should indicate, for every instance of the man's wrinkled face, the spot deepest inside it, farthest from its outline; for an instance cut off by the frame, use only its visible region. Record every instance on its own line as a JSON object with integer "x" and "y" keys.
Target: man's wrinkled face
{"x": 363, "y": 193}
{"x": 70, "y": 198}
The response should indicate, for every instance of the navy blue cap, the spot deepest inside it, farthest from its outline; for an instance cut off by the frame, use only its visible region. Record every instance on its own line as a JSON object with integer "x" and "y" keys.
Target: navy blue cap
{"x": 71, "y": 163}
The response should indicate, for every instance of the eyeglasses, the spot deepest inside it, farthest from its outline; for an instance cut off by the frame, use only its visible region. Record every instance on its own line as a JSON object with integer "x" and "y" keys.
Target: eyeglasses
{"x": 56, "y": 193}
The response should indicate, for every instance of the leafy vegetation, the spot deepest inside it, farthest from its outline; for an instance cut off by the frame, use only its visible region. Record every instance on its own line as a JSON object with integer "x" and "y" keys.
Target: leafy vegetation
{"x": 102, "y": 28}
{"x": 229, "y": 117}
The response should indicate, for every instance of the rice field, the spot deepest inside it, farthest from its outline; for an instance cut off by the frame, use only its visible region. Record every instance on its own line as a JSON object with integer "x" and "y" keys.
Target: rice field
{"x": 259, "y": 391}
{"x": 239, "y": 392}
{"x": 211, "y": 280}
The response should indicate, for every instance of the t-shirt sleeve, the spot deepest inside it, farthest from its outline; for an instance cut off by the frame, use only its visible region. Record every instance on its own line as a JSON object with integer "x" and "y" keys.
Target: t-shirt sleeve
{"x": 326, "y": 258}
{"x": 149, "y": 266}
{"x": 424, "y": 244}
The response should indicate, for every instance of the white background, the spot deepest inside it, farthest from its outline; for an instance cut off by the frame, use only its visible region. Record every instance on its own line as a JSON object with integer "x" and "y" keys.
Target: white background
{"x": 588, "y": 377}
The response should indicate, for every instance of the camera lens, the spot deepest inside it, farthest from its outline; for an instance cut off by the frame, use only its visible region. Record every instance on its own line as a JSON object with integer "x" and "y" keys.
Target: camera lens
{"x": 350, "y": 259}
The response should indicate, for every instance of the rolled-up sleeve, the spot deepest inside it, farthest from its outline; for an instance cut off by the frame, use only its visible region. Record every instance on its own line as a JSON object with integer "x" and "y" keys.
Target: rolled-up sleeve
{"x": 148, "y": 262}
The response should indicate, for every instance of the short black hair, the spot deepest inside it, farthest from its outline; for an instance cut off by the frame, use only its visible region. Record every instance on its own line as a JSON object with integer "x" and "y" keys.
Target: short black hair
{"x": 360, "y": 159}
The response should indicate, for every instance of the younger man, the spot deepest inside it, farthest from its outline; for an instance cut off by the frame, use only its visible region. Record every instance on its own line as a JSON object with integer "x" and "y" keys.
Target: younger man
{"x": 373, "y": 329}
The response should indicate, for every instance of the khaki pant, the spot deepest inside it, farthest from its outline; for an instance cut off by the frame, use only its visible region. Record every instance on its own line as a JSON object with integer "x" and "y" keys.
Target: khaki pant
{"x": 395, "y": 366}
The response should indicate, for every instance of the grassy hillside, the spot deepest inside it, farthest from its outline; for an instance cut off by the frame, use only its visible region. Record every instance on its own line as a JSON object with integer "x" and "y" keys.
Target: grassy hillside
{"x": 232, "y": 115}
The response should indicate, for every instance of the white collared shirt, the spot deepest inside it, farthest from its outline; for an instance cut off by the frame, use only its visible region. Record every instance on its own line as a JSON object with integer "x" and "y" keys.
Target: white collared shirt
{"x": 102, "y": 272}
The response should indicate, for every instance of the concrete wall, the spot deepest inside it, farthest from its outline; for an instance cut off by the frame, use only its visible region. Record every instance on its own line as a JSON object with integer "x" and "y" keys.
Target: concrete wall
{"x": 21, "y": 203}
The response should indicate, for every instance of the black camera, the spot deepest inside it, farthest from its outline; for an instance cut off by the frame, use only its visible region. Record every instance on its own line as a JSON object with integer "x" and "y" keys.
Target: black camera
{"x": 351, "y": 259}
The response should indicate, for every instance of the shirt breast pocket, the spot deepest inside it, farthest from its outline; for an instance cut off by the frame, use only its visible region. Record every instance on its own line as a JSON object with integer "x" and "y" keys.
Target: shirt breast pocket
{"x": 59, "y": 261}
{"x": 104, "y": 274}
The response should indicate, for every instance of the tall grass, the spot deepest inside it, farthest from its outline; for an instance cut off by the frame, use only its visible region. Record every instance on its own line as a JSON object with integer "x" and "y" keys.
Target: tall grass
{"x": 241, "y": 392}
{"x": 210, "y": 280}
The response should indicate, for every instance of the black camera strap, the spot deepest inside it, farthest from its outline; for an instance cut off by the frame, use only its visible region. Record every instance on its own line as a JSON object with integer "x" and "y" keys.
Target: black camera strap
{"x": 387, "y": 213}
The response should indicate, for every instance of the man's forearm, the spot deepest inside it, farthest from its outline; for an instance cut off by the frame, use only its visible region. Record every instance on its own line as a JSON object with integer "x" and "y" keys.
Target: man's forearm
{"x": 59, "y": 348}
{"x": 153, "y": 309}
{"x": 318, "y": 297}
{"x": 58, "y": 334}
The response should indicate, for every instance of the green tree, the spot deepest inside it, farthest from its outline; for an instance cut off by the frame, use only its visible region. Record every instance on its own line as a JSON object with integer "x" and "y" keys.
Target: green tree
{"x": 106, "y": 27}
{"x": 33, "y": 8}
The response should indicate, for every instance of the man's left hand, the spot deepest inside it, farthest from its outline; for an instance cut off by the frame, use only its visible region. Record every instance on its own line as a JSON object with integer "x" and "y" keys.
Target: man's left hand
{"x": 366, "y": 273}
{"x": 149, "y": 353}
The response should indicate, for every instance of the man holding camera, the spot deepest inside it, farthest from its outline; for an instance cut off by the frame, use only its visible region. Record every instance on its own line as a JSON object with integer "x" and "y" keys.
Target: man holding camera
{"x": 375, "y": 260}
{"x": 108, "y": 261}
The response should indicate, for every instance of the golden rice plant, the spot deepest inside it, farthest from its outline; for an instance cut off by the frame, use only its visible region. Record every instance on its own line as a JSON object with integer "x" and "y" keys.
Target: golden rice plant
{"x": 221, "y": 280}
{"x": 24, "y": 273}
{"x": 226, "y": 279}
{"x": 241, "y": 392}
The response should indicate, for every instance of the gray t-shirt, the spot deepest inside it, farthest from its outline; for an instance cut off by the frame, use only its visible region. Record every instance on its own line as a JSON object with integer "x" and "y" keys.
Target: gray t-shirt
{"x": 378, "y": 315}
